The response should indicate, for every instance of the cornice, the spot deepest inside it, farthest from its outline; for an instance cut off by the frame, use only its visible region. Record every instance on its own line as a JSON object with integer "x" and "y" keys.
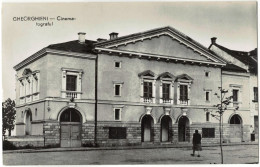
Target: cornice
{"x": 45, "y": 51}
{"x": 157, "y": 57}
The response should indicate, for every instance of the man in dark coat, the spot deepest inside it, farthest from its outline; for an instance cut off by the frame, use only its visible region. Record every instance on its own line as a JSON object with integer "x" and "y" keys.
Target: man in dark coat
{"x": 196, "y": 141}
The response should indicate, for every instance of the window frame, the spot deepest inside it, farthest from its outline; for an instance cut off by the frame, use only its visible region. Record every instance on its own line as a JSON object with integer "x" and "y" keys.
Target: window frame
{"x": 120, "y": 113}
{"x": 120, "y": 64}
{"x": 255, "y": 90}
{"x": 208, "y": 133}
{"x": 75, "y": 81}
{"x": 120, "y": 89}
{"x": 117, "y": 135}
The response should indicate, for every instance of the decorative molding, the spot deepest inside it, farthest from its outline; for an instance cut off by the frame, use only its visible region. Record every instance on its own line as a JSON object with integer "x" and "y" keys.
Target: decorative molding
{"x": 44, "y": 51}
{"x": 165, "y": 57}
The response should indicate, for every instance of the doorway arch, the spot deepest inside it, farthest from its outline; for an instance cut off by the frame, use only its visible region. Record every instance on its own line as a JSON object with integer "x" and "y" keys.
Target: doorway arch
{"x": 183, "y": 129}
{"x": 236, "y": 130}
{"x": 147, "y": 128}
{"x": 166, "y": 129}
{"x": 70, "y": 123}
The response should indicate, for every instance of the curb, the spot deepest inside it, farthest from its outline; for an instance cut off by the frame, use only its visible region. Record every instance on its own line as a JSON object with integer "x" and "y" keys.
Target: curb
{"x": 119, "y": 148}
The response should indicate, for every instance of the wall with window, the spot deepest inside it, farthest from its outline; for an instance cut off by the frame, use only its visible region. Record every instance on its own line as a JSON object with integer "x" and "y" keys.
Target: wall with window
{"x": 131, "y": 82}
{"x": 41, "y": 67}
{"x": 70, "y": 77}
{"x": 237, "y": 84}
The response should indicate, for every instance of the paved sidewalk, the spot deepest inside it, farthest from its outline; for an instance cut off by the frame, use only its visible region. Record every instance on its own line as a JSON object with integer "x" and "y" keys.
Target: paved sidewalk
{"x": 123, "y": 147}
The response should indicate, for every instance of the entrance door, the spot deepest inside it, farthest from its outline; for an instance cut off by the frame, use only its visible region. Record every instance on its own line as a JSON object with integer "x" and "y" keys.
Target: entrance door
{"x": 70, "y": 128}
{"x": 183, "y": 129}
{"x": 70, "y": 135}
{"x": 236, "y": 134}
{"x": 165, "y": 128}
{"x": 147, "y": 122}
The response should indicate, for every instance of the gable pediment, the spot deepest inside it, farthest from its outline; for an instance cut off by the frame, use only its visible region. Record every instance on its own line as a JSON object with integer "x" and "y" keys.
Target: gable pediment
{"x": 184, "y": 78}
{"x": 147, "y": 74}
{"x": 163, "y": 41}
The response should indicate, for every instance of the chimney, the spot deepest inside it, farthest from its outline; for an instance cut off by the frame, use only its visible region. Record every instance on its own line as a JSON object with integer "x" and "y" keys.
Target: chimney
{"x": 101, "y": 39}
{"x": 113, "y": 35}
{"x": 213, "y": 40}
{"x": 81, "y": 37}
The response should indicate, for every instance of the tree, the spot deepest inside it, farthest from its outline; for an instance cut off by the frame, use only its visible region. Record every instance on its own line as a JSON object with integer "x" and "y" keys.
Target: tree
{"x": 222, "y": 106}
{"x": 8, "y": 116}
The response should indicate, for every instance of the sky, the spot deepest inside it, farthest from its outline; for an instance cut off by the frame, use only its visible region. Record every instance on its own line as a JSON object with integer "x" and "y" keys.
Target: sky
{"x": 233, "y": 23}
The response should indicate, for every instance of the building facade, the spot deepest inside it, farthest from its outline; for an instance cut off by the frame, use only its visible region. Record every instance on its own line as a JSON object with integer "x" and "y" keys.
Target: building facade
{"x": 240, "y": 78}
{"x": 153, "y": 87}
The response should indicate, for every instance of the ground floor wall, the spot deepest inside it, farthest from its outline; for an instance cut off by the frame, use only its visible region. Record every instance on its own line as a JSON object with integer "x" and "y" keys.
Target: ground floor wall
{"x": 138, "y": 124}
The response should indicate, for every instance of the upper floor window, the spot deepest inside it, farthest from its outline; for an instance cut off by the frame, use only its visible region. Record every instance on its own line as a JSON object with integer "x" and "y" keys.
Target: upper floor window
{"x": 29, "y": 86}
{"x": 183, "y": 89}
{"x": 166, "y": 91}
{"x": 235, "y": 95}
{"x": 147, "y": 92}
{"x": 71, "y": 83}
{"x": 255, "y": 94}
{"x": 183, "y": 93}
{"x": 207, "y": 95}
{"x": 207, "y": 74}
{"x": 166, "y": 87}
{"x": 236, "y": 91}
{"x": 117, "y": 64}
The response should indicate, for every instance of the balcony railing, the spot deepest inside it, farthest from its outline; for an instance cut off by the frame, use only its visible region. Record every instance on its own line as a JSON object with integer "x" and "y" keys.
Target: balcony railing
{"x": 184, "y": 101}
{"x": 70, "y": 94}
{"x": 147, "y": 99}
{"x": 166, "y": 100}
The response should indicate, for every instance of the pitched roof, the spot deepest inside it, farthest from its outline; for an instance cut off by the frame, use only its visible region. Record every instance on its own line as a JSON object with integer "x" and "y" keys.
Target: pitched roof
{"x": 75, "y": 46}
{"x": 248, "y": 58}
{"x": 158, "y": 30}
{"x": 233, "y": 68}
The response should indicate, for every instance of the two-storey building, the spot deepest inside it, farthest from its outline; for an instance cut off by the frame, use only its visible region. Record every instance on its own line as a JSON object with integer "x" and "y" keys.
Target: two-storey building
{"x": 153, "y": 87}
{"x": 240, "y": 78}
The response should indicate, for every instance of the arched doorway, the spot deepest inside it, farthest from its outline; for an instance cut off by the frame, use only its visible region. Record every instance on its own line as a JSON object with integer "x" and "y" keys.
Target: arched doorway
{"x": 166, "y": 126}
{"x": 183, "y": 129}
{"x": 147, "y": 128}
{"x": 28, "y": 122}
{"x": 236, "y": 134}
{"x": 70, "y": 124}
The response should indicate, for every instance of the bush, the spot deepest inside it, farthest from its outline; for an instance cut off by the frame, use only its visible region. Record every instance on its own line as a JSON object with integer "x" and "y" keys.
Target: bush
{"x": 7, "y": 145}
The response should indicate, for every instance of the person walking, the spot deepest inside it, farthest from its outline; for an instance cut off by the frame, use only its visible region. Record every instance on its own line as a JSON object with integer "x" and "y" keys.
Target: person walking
{"x": 196, "y": 141}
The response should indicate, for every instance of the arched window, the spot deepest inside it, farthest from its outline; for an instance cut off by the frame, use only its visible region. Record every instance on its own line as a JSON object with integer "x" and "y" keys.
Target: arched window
{"x": 235, "y": 119}
{"x": 70, "y": 115}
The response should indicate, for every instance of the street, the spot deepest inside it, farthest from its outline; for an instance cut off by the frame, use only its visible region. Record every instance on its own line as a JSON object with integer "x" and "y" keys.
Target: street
{"x": 232, "y": 155}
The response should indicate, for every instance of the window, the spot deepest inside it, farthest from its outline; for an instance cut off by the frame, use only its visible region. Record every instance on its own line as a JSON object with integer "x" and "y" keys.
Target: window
{"x": 166, "y": 91}
{"x": 255, "y": 94}
{"x": 207, "y": 116}
{"x": 208, "y": 132}
{"x": 183, "y": 93}
{"x": 117, "y": 114}
{"x": 207, "y": 74}
{"x": 235, "y": 95}
{"x": 71, "y": 81}
{"x": 35, "y": 111}
{"x": 22, "y": 115}
{"x": 118, "y": 64}
{"x": 148, "y": 90}
{"x": 117, "y": 133}
{"x": 208, "y": 94}
{"x": 117, "y": 90}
